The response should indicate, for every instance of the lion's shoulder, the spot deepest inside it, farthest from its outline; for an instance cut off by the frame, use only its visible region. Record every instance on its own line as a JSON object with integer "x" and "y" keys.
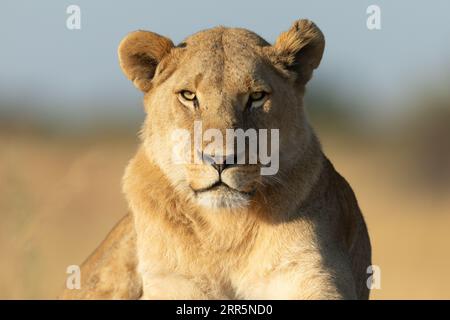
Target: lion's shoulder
{"x": 110, "y": 271}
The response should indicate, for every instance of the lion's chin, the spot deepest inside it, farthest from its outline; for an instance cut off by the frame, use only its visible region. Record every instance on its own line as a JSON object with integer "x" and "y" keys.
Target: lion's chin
{"x": 223, "y": 198}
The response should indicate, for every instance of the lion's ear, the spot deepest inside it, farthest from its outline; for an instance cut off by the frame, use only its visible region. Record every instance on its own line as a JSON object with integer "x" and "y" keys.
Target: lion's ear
{"x": 299, "y": 49}
{"x": 139, "y": 54}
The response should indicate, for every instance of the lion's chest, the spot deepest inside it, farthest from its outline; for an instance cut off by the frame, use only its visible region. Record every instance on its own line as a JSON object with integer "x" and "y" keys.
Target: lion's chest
{"x": 190, "y": 266}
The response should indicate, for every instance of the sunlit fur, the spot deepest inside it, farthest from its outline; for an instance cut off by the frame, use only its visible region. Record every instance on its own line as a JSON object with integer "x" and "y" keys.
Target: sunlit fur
{"x": 298, "y": 234}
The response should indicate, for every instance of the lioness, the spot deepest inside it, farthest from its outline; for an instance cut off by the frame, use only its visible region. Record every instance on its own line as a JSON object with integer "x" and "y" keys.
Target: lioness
{"x": 212, "y": 230}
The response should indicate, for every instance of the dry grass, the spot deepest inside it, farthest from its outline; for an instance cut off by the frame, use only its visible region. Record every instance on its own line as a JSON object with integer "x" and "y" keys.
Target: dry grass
{"x": 59, "y": 197}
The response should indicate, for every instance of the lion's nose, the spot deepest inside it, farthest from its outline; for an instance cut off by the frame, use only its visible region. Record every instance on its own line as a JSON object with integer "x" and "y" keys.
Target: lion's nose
{"x": 220, "y": 163}
{"x": 219, "y": 167}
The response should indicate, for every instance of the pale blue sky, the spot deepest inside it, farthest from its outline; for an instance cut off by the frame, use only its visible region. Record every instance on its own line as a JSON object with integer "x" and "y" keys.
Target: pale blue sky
{"x": 63, "y": 72}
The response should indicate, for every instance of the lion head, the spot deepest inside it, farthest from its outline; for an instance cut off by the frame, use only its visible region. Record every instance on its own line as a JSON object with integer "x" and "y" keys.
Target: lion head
{"x": 223, "y": 79}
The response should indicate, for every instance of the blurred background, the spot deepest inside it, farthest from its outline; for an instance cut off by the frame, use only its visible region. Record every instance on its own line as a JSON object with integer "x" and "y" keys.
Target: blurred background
{"x": 380, "y": 102}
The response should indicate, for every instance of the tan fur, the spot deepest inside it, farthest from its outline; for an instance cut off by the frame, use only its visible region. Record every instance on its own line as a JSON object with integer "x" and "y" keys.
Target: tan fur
{"x": 298, "y": 235}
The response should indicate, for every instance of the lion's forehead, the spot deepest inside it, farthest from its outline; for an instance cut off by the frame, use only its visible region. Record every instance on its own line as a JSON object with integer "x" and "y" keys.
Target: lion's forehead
{"x": 222, "y": 58}
{"x": 221, "y": 37}
{"x": 220, "y": 49}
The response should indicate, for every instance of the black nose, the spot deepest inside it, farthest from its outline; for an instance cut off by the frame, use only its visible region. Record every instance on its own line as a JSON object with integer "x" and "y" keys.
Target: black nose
{"x": 219, "y": 163}
{"x": 219, "y": 167}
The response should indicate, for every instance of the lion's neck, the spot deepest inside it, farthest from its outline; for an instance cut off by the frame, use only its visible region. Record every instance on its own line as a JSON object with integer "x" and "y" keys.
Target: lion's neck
{"x": 293, "y": 185}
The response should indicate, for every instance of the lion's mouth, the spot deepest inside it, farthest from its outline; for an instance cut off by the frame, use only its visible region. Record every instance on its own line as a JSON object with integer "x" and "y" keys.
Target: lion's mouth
{"x": 221, "y": 186}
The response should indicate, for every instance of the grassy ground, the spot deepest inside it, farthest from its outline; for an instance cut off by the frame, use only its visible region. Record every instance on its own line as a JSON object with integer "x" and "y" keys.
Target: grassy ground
{"x": 60, "y": 196}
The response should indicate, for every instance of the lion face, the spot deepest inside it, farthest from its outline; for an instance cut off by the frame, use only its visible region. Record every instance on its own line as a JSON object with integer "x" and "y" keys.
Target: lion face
{"x": 222, "y": 107}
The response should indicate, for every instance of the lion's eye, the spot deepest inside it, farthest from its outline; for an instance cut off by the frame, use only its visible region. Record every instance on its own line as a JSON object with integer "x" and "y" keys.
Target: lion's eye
{"x": 188, "y": 98}
{"x": 257, "y": 99}
{"x": 187, "y": 95}
{"x": 255, "y": 96}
